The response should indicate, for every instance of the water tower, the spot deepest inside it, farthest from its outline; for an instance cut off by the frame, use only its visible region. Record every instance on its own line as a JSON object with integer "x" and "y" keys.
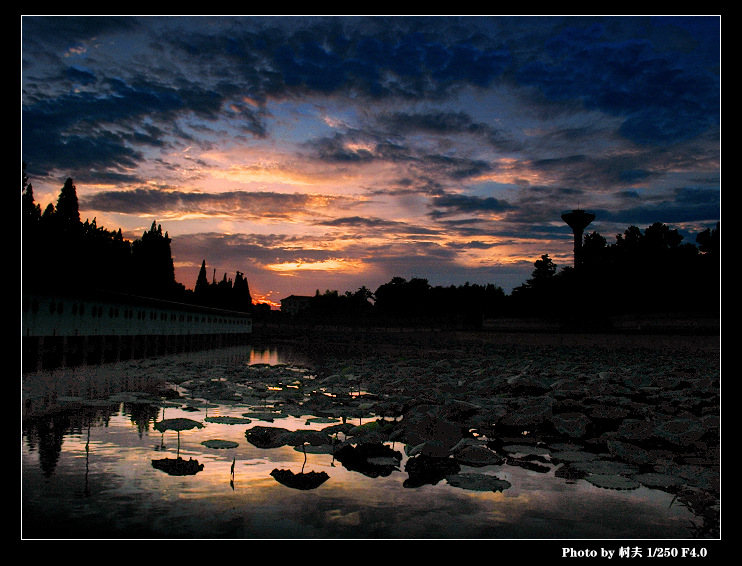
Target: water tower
{"x": 578, "y": 220}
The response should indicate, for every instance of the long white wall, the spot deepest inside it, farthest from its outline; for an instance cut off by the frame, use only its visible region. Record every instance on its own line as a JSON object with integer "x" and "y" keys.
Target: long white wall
{"x": 49, "y": 315}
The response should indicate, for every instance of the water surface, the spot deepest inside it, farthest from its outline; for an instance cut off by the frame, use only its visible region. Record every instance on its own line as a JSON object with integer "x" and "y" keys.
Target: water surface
{"x": 87, "y": 470}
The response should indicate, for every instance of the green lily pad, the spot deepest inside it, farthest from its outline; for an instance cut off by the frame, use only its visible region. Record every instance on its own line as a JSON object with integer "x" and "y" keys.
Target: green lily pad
{"x": 479, "y": 456}
{"x": 605, "y": 467}
{"x": 227, "y": 420}
{"x": 177, "y": 424}
{"x": 264, "y": 416}
{"x": 220, "y": 444}
{"x": 573, "y": 456}
{"x": 658, "y": 480}
{"x": 525, "y": 449}
{"x": 612, "y": 481}
{"x": 322, "y": 420}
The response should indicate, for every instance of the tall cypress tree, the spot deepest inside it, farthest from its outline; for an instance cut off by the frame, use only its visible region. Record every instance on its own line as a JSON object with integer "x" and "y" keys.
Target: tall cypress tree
{"x": 66, "y": 258}
{"x": 202, "y": 283}
{"x": 68, "y": 208}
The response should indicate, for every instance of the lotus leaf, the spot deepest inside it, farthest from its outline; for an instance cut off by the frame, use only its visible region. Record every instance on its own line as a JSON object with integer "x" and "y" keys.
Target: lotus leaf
{"x": 266, "y": 437}
{"x": 178, "y": 466}
{"x": 525, "y": 449}
{"x": 574, "y": 425}
{"x": 605, "y": 467}
{"x": 303, "y": 480}
{"x": 227, "y": 420}
{"x": 177, "y": 424}
{"x": 219, "y": 444}
{"x": 629, "y": 452}
{"x": 612, "y": 481}
{"x": 573, "y": 456}
{"x": 306, "y": 436}
{"x": 479, "y": 456}
{"x": 322, "y": 420}
{"x": 680, "y": 431}
{"x": 264, "y": 416}
{"x": 658, "y": 480}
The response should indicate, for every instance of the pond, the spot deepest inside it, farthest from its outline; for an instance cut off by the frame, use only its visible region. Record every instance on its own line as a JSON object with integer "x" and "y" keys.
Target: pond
{"x": 279, "y": 446}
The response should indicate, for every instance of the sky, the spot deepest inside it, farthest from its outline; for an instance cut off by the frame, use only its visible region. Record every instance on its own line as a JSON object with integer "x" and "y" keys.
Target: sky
{"x": 334, "y": 152}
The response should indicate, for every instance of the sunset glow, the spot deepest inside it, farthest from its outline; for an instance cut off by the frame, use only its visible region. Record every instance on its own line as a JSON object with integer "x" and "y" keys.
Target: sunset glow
{"x": 339, "y": 152}
{"x": 329, "y": 265}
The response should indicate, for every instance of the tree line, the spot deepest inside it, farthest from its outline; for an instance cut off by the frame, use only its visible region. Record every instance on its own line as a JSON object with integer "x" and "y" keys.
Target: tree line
{"x": 643, "y": 271}
{"x": 61, "y": 253}
{"x": 401, "y": 302}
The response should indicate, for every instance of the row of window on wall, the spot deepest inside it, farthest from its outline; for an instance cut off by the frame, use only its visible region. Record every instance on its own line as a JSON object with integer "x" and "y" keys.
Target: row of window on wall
{"x": 113, "y": 312}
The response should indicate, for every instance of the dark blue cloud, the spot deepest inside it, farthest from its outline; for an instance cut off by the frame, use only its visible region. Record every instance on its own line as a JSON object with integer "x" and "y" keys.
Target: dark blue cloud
{"x": 438, "y": 121}
{"x": 477, "y": 117}
{"x": 685, "y": 205}
{"x": 80, "y": 75}
{"x": 452, "y": 204}
{"x": 361, "y": 56}
{"x": 665, "y": 97}
{"x": 68, "y": 31}
{"x": 71, "y": 129}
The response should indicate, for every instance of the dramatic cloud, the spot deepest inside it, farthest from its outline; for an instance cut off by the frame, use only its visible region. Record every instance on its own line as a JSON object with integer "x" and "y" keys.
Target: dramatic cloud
{"x": 335, "y": 152}
{"x": 234, "y": 204}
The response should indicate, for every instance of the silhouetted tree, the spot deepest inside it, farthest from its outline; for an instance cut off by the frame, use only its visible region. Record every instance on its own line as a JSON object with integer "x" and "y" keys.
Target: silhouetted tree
{"x": 544, "y": 270}
{"x": 643, "y": 271}
{"x": 68, "y": 208}
{"x": 223, "y": 294}
{"x": 30, "y": 236}
{"x": 539, "y": 295}
{"x": 708, "y": 284}
{"x": 242, "y": 300}
{"x": 401, "y": 298}
{"x": 409, "y": 302}
{"x": 359, "y": 304}
{"x": 31, "y": 212}
{"x": 60, "y": 252}
{"x": 153, "y": 263}
{"x": 652, "y": 270}
{"x": 202, "y": 284}
{"x": 105, "y": 258}
{"x": 708, "y": 240}
{"x": 594, "y": 252}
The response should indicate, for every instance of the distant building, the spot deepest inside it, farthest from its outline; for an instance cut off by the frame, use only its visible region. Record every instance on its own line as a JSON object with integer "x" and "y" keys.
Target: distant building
{"x": 294, "y": 304}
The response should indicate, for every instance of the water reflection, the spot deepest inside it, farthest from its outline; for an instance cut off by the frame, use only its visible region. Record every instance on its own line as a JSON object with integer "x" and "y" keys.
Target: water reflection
{"x": 265, "y": 356}
{"x": 264, "y": 427}
{"x": 303, "y": 480}
{"x": 178, "y": 466}
{"x": 372, "y": 459}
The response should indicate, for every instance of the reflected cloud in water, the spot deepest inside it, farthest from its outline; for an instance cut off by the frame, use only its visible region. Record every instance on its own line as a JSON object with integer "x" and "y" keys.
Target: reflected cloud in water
{"x": 107, "y": 448}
